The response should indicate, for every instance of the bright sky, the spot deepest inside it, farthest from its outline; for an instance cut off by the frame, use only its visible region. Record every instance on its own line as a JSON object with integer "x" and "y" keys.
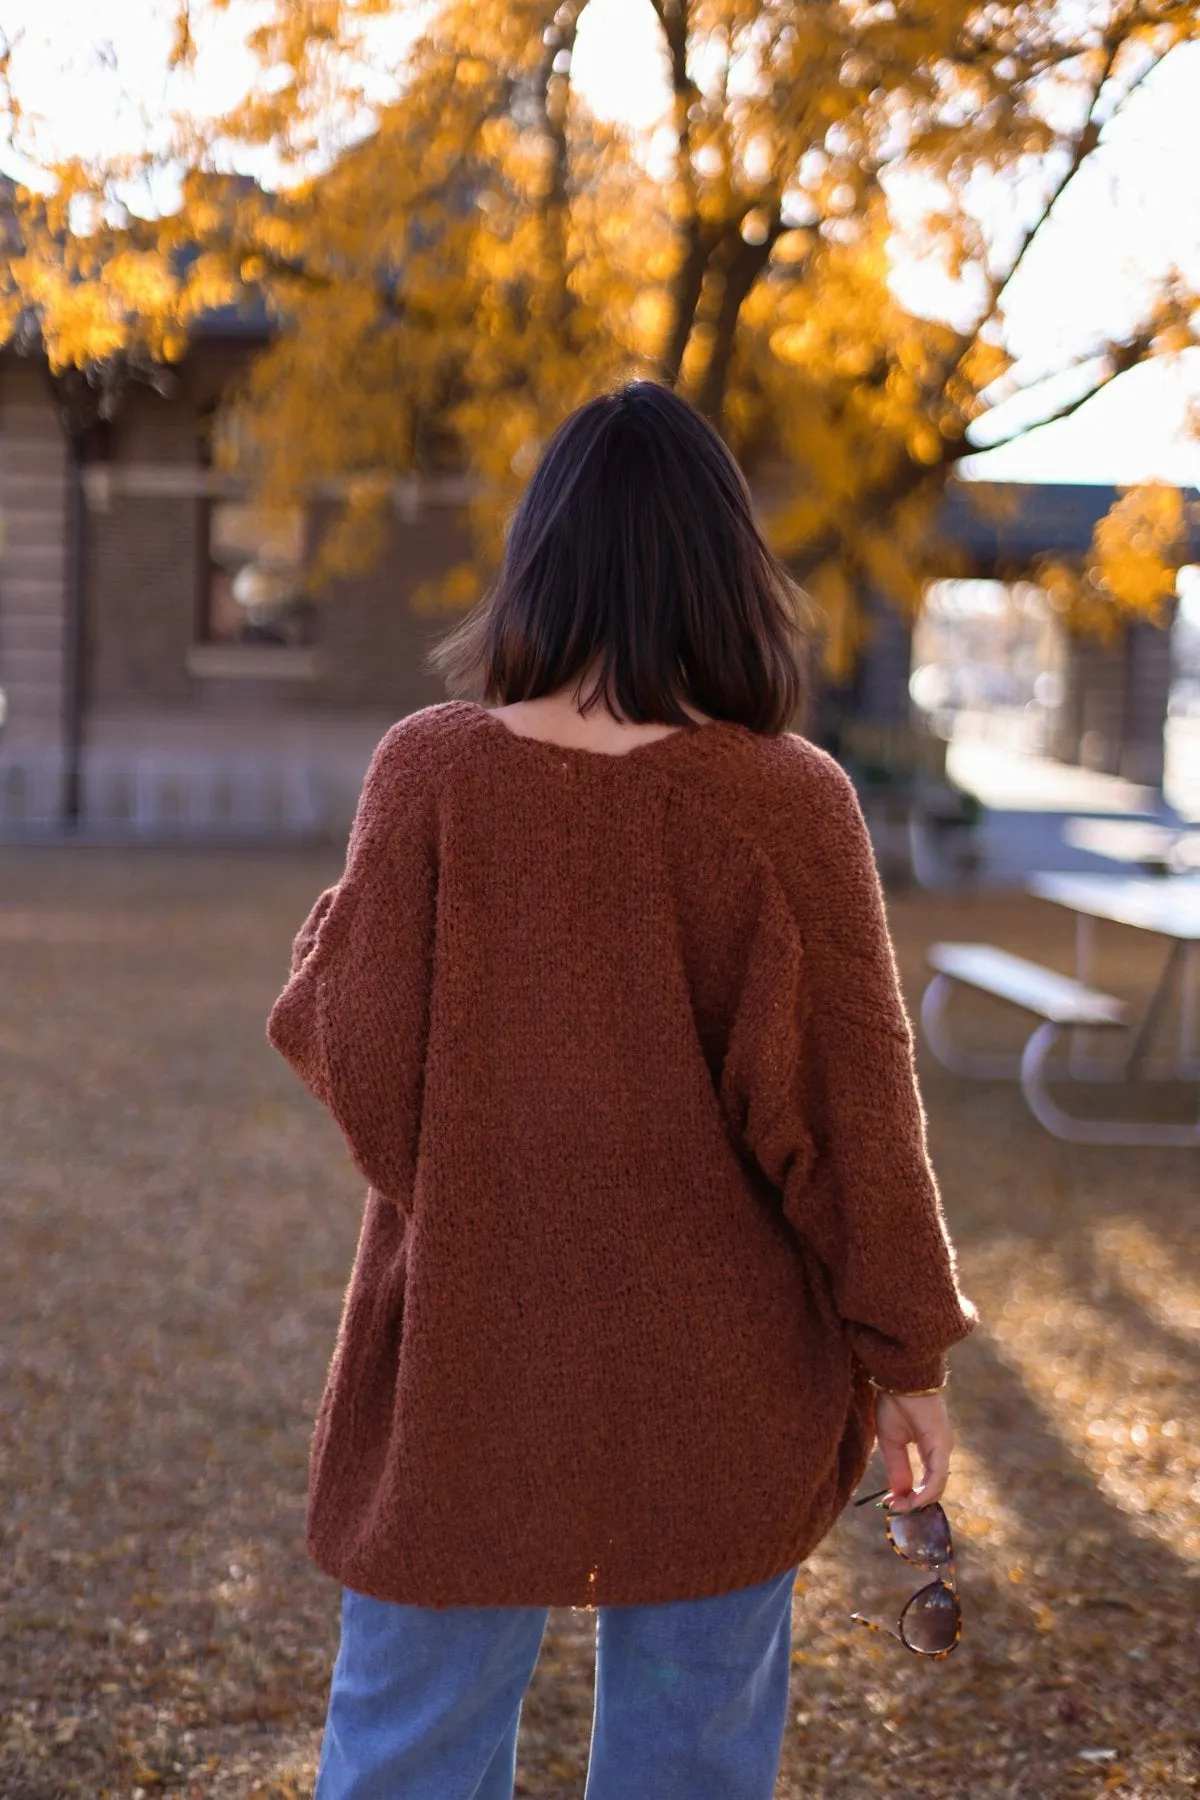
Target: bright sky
{"x": 102, "y": 88}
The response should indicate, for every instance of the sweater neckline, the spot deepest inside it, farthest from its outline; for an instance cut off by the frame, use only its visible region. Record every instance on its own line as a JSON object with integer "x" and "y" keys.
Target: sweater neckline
{"x": 547, "y": 747}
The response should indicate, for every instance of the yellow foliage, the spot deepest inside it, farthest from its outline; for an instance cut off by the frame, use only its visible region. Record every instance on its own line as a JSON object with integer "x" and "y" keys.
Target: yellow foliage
{"x": 1137, "y": 551}
{"x": 458, "y": 589}
{"x": 840, "y": 619}
{"x": 470, "y": 72}
{"x": 1139, "y": 545}
{"x": 985, "y": 363}
{"x": 924, "y": 442}
{"x": 792, "y": 247}
{"x": 487, "y": 255}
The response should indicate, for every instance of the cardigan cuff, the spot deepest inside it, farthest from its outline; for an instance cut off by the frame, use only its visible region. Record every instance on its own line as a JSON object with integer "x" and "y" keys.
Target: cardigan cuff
{"x": 909, "y": 1371}
{"x": 907, "y": 1375}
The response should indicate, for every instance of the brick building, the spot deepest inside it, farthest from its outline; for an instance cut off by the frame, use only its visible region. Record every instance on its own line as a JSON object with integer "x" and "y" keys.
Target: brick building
{"x": 150, "y": 636}
{"x": 164, "y": 678}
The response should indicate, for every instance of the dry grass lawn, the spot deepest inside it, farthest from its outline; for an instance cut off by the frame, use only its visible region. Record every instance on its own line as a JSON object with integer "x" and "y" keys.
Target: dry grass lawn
{"x": 179, "y": 1222}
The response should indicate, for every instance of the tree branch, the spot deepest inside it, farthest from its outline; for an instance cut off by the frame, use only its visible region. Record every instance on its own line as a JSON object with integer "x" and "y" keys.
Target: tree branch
{"x": 560, "y": 36}
{"x": 699, "y": 245}
{"x": 1120, "y": 357}
{"x": 699, "y": 241}
{"x": 744, "y": 267}
{"x": 1083, "y": 147}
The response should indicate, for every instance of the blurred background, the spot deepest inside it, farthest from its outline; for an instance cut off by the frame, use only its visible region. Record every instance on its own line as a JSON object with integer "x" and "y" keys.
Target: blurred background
{"x": 291, "y": 296}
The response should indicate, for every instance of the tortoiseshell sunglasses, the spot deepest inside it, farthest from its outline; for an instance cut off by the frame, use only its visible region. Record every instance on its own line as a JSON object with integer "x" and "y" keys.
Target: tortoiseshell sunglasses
{"x": 931, "y": 1623}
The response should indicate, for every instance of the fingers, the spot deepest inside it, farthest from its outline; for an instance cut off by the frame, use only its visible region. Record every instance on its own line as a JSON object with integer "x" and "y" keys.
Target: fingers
{"x": 903, "y": 1420}
{"x": 935, "y": 1462}
{"x": 897, "y": 1466}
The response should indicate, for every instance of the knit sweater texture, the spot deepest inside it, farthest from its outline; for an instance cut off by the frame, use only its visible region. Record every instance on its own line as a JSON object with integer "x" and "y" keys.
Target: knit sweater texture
{"x": 618, "y": 1045}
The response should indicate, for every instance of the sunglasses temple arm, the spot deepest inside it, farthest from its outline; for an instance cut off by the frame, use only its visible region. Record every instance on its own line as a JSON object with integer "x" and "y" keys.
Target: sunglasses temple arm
{"x": 872, "y": 1625}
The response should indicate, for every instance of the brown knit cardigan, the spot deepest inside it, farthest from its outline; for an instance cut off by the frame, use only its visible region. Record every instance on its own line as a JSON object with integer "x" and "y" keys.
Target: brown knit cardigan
{"x": 618, "y": 1045}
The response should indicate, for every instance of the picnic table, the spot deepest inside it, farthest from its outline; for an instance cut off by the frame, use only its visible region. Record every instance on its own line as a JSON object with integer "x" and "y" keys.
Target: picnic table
{"x": 1156, "y": 849}
{"x": 1169, "y": 907}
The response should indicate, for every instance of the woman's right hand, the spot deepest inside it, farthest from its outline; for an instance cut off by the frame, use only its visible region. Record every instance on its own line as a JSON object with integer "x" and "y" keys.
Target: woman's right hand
{"x": 922, "y": 1420}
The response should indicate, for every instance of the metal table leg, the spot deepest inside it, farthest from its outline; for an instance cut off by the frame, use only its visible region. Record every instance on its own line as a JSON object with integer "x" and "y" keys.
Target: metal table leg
{"x": 1087, "y": 1131}
{"x": 1080, "y": 1063}
{"x": 1155, "y": 1010}
{"x": 1189, "y": 1010}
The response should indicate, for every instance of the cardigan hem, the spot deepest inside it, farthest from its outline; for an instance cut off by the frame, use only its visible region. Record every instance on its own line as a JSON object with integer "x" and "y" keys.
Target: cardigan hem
{"x": 717, "y": 1579}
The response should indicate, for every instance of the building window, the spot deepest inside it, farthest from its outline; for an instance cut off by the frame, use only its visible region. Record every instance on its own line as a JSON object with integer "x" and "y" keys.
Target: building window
{"x": 253, "y": 566}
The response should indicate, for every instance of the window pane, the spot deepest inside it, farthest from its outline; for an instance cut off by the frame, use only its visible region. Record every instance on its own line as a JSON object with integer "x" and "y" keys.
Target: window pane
{"x": 255, "y": 560}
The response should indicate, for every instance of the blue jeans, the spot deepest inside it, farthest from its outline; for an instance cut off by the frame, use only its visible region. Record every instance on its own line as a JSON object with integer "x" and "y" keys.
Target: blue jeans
{"x": 690, "y": 1702}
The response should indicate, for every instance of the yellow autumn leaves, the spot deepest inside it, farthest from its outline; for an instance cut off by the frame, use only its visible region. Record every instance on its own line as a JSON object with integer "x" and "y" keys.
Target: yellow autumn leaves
{"x": 454, "y": 267}
{"x": 1136, "y": 551}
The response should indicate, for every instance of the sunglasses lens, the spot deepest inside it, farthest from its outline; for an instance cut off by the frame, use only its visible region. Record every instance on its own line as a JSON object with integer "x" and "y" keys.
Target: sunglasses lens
{"x": 931, "y": 1620}
{"x": 923, "y": 1536}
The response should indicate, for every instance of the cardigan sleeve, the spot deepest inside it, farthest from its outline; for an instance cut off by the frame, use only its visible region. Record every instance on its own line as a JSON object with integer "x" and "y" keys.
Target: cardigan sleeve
{"x": 820, "y": 1079}
{"x": 352, "y": 1018}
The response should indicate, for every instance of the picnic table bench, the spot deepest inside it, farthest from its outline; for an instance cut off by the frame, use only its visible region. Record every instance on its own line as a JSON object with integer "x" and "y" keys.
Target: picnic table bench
{"x": 1061, "y": 1005}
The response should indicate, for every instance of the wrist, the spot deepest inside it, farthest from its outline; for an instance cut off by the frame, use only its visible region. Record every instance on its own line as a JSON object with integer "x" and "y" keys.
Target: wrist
{"x": 907, "y": 1393}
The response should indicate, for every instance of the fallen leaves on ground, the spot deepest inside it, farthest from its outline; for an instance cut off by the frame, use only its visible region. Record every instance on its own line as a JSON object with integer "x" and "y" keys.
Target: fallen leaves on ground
{"x": 180, "y": 1221}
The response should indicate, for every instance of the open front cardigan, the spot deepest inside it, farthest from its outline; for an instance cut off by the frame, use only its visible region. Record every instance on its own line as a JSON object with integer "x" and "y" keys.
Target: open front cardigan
{"x": 618, "y": 1045}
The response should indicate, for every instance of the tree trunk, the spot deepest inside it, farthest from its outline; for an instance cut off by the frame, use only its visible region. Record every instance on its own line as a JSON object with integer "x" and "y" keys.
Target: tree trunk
{"x": 745, "y": 265}
{"x": 685, "y": 297}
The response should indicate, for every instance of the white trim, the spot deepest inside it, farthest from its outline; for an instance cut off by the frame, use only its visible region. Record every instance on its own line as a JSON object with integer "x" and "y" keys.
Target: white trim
{"x": 409, "y": 494}
{"x": 168, "y": 795}
{"x": 253, "y": 662}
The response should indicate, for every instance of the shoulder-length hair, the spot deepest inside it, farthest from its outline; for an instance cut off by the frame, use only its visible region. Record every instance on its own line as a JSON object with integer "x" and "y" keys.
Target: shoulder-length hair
{"x": 635, "y": 547}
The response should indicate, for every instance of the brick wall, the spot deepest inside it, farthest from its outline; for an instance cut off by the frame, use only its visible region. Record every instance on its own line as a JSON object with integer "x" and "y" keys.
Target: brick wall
{"x": 142, "y": 563}
{"x": 144, "y": 570}
{"x": 156, "y": 428}
{"x": 371, "y": 642}
{"x": 33, "y": 511}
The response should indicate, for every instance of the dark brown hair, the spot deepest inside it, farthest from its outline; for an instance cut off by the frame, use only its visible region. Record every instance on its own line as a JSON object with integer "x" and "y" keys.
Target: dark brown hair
{"x": 635, "y": 544}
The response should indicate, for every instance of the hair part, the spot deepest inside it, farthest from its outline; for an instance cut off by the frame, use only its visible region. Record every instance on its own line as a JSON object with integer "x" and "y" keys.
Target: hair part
{"x": 635, "y": 549}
